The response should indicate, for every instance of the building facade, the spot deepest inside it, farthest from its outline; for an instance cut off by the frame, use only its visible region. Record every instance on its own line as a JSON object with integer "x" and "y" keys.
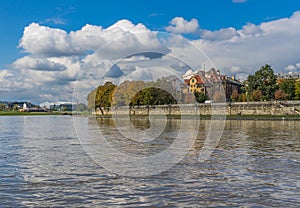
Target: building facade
{"x": 210, "y": 82}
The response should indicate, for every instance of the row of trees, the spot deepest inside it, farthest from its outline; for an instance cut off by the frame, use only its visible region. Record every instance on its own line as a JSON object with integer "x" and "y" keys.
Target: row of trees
{"x": 163, "y": 91}
{"x": 264, "y": 86}
{"x": 132, "y": 93}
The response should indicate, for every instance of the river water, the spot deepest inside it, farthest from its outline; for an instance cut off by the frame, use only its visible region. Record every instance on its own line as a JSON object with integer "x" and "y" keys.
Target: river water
{"x": 43, "y": 163}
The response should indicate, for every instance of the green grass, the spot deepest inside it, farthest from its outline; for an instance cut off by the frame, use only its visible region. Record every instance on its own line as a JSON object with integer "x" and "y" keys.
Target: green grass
{"x": 17, "y": 113}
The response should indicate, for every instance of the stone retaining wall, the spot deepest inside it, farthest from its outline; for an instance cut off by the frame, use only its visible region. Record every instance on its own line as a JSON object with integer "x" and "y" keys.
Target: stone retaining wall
{"x": 243, "y": 108}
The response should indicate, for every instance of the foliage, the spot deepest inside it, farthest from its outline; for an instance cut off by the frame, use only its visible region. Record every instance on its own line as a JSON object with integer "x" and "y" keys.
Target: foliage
{"x": 297, "y": 90}
{"x": 263, "y": 80}
{"x": 126, "y": 91}
{"x": 242, "y": 97}
{"x": 101, "y": 97}
{"x": 81, "y": 107}
{"x": 129, "y": 91}
{"x": 91, "y": 99}
{"x": 288, "y": 87}
{"x": 152, "y": 96}
{"x": 256, "y": 95}
{"x": 16, "y": 107}
{"x": 280, "y": 95}
{"x": 235, "y": 96}
{"x": 2, "y": 107}
{"x": 200, "y": 97}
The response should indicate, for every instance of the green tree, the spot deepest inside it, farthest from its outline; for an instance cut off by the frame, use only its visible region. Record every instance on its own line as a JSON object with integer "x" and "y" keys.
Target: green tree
{"x": 297, "y": 90}
{"x": 264, "y": 80}
{"x": 2, "y": 107}
{"x": 256, "y": 95}
{"x": 101, "y": 97}
{"x": 81, "y": 107}
{"x": 153, "y": 96}
{"x": 200, "y": 97}
{"x": 242, "y": 97}
{"x": 288, "y": 87}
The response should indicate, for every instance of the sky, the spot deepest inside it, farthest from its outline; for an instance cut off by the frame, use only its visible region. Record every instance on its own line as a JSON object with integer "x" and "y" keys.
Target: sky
{"x": 51, "y": 47}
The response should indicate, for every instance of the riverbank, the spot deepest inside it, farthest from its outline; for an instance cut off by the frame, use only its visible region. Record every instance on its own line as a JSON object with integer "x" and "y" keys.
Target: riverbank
{"x": 209, "y": 117}
{"x": 17, "y": 113}
{"x": 271, "y": 109}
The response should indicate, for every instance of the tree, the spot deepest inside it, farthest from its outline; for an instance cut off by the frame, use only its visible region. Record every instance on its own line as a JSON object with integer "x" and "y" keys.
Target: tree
{"x": 234, "y": 96}
{"x": 16, "y": 107}
{"x": 101, "y": 97}
{"x": 81, "y": 107}
{"x": 256, "y": 95}
{"x": 297, "y": 90}
{"x": 280, "y": 95}
{"x": 91, "y": 99}
{"x": 153, "y": 96}
{"x": 2, "y": 107}
{"x": 126, "y": 91}
{"x": 200, "y": 97}
{"x": 242, "y": 97}
{"x": 288, "y": 87}
{"x": 264, "y": 80}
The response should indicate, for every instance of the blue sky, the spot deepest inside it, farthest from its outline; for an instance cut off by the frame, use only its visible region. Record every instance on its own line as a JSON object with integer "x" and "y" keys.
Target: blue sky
{"x": 44, "y": 43}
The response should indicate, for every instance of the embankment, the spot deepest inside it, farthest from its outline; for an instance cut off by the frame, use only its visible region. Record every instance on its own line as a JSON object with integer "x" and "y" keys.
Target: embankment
{"x": 272, "y": 108}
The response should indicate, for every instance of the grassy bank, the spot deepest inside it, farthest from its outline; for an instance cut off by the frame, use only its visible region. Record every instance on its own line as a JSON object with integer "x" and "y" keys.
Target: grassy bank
{"x": 17, "y": 113}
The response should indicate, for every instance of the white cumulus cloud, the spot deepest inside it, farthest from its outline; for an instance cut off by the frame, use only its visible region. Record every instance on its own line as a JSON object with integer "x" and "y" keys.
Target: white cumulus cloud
{"x": 41, "y": 64}
{"x": 222, "y": 34}
{"x": 46, "y": 41}
{"x": 290, "y": 68}
{"x": 180, "y": 25}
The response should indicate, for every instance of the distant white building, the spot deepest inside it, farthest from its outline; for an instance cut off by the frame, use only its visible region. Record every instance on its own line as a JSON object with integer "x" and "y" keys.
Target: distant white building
{"x": 58, "y": 106}
{"x": 289, "y": 75}
{"x": 24, "y": 106}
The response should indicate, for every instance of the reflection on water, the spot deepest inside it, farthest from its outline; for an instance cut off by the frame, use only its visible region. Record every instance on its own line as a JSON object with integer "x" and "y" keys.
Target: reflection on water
{"x": 42, "y": 163}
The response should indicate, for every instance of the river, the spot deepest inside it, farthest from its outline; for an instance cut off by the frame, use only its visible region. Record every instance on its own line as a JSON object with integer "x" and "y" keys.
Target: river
{"x": 43, "y": 163}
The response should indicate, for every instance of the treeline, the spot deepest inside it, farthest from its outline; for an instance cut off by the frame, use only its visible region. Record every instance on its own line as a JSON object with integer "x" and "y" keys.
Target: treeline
{"x": 264, "y": 85}
{"x": 163, "y": 91}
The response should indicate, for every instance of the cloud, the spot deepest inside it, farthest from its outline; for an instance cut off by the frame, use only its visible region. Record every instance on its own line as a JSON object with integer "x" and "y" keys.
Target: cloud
{"x": 290, "y": 68}
{"x": 28, "y": 62}
{"x": 123, "y": 38}
{"x": 155, "y": 14}
{"x": 251, "y": 30}
{"x": 239, "y": 1}
{"x": 222, "y": 34}
{"x": 274, "y": 42}
{"x": 45, "y": 41}
{"x": 55, "y": 20}
{"x": 180, "y": 25}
